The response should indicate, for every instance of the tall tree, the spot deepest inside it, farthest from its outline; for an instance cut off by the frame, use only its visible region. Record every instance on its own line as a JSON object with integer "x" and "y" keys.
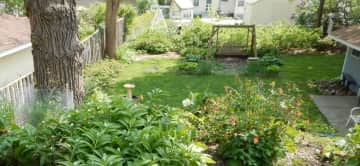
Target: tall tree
{"x": 57, "y": 50}
{"x": 320, "y": 13}
{"x": 112, "y": 7}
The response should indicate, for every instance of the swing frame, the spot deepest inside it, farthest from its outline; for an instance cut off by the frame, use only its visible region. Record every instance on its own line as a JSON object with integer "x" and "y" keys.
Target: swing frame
{"x": 232, "y": 51}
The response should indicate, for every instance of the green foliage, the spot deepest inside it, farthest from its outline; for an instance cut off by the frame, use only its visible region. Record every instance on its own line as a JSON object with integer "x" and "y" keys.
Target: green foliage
{"x": 140, "y": 25}
{"x": 125, "y": 54}
{"x": 347, "y": 11}
{"x": 282, "y": 36}
{"x": 101, "y": 75}
{"x": 91, "y": 19}
{"x": 107, "y": 131}
{"x": 267, "y": 65}
{"x": 14, "y": 7}
{"x": 7, "y": 119}
{"x": 249, "y": 123}
{"x": 205, "y": 67}
{"x": 352, "y": 147}
{"x": 153, "y": 42}
{"x": 143, "y": 5}
{"x": 269, "y": 38}
{"x": 345, "y": 151}
{"x": 188, "y": 67}
{"x": 129, "y": 13}
{"x": 196, "y": 35}
{"x": 201, "y": 52}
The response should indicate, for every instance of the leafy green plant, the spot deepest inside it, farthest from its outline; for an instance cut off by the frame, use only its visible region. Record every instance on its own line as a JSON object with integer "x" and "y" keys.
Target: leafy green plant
{"x": 14, "y": 7}
{"x": 7, "y": 119}
{"x": 107, "y": 131}
{"x": 153, "y": 42}
{"x": 267, "y": 65}
{"x": 205, "y": 67}
{"x": 101, "y": 75}
{"x": 188, "y": 67}
{"x": 125, "y": 54}
{"x": 128, "y": 12}
{"x": 248, "y": 123}
{"x": 143, "y": 5}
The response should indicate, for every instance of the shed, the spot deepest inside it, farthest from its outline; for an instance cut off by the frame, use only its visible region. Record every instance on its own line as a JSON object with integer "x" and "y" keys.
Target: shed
{"x": 181, "y": 9}
{"x": 350, "y": 37}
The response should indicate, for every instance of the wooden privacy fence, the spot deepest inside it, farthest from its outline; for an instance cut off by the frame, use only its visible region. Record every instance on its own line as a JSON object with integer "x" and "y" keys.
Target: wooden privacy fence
{"x": 19, "y": 91}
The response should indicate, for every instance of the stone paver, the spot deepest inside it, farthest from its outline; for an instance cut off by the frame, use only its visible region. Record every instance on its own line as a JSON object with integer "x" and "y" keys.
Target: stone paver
{"x": 336, "y": 109}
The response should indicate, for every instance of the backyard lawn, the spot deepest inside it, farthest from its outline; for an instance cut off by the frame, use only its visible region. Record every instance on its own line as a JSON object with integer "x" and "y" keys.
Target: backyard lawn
{"x": 161, "y": 73}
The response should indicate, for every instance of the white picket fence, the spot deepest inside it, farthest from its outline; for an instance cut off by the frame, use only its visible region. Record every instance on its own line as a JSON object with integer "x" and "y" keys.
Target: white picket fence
{"x": 18, "y": 92}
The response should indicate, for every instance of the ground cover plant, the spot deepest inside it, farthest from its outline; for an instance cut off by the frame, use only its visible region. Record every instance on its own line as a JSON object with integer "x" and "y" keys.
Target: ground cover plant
{"x": 249, "y": 123}
{"x": 107, "y": 131}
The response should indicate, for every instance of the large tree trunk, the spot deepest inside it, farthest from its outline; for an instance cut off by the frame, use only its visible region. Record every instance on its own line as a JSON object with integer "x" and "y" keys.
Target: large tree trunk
{"x": 320, "y": 13}
{"x": 112, "y": 7}
{"x": 57, "y": 50}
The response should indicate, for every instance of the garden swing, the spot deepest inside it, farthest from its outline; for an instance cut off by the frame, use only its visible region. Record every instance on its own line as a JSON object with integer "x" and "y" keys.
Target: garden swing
{"x": 233, "y": 48}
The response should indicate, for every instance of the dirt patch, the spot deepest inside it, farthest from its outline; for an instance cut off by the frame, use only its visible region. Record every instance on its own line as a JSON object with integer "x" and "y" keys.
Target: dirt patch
{"x": 169, "y": 55}
{"x": 334, "y": 88}
{"x": 14, "y": 31}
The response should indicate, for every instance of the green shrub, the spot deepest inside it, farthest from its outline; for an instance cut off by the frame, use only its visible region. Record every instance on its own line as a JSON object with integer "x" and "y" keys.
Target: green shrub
{"x": 193, "y": 51}
{"x": 248, "y": 123}
{"x": 125, "y": 54}
{"x": 345, "y": 151}
{"x": 153, "y": 42}
{"x": 188, "y": 67}
{"x": 14, "y": 7}
{"x": 143, "y": 5}
{"x": 205, "y": 67}
{"x": 128, "y": 12}
{"x": 7, "y": 119}
{"x": 106, "y": 131}
{"x": 278, "y": 36}
{"x": 140, "y": 25}
{"x": 267, "y": 65}
{"x": 90, "y": 19}
{"x": 101, "y": 75}
{"x": 193, "y": 57}
{"x": 196, "y": 35}
{"x": 352, "y": 147}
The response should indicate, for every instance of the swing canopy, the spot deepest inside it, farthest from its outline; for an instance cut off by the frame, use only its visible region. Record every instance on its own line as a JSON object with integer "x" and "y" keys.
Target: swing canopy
{"x": 240, "y": 45}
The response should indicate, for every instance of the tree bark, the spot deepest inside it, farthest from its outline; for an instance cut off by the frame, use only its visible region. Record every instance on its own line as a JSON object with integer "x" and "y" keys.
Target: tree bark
{"x": 57, "y": 50}
{"x": 320, "y": 13}
{"x": 112, "y": 7}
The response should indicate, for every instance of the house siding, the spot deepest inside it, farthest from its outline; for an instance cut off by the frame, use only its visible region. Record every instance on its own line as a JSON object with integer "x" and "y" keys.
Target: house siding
{"x": 260, "y": 12}
{"x": 227, "y": 7}
{"x": 17, "y": 65}
{"x": 352, "y": 67}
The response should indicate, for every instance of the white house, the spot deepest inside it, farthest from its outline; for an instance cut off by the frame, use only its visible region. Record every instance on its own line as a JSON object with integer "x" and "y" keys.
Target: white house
{"x": 350, "y": 37}
{"x": 181, "y": 9}
{"x": 250, "y": 11}
{"x": 262, "y": 12}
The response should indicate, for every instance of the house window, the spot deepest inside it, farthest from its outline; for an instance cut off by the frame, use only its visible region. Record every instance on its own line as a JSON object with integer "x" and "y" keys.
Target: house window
{"x": 355, "y": 53}
{"x": 241, "y": 3}
{"x": 196, "y": 2}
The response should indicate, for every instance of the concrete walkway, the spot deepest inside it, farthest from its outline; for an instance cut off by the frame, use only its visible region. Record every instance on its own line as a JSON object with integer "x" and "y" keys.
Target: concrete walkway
{"x": 336, "y": 109}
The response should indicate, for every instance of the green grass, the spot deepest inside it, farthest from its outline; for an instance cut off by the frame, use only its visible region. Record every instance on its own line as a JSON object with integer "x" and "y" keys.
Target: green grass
{"x": 300, "y": 70}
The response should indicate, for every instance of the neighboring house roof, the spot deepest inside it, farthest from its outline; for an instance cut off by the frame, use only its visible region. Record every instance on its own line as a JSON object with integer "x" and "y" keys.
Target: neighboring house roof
{"x": 184, "y": 4}
{"x": 349, "y": 36}
{"x": 14, "y": 31}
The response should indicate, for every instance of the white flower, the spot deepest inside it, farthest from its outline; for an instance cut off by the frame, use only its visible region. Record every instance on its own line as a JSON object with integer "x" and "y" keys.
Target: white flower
{"x": 187, "y": 102}
{"x": 283, "y": 104}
